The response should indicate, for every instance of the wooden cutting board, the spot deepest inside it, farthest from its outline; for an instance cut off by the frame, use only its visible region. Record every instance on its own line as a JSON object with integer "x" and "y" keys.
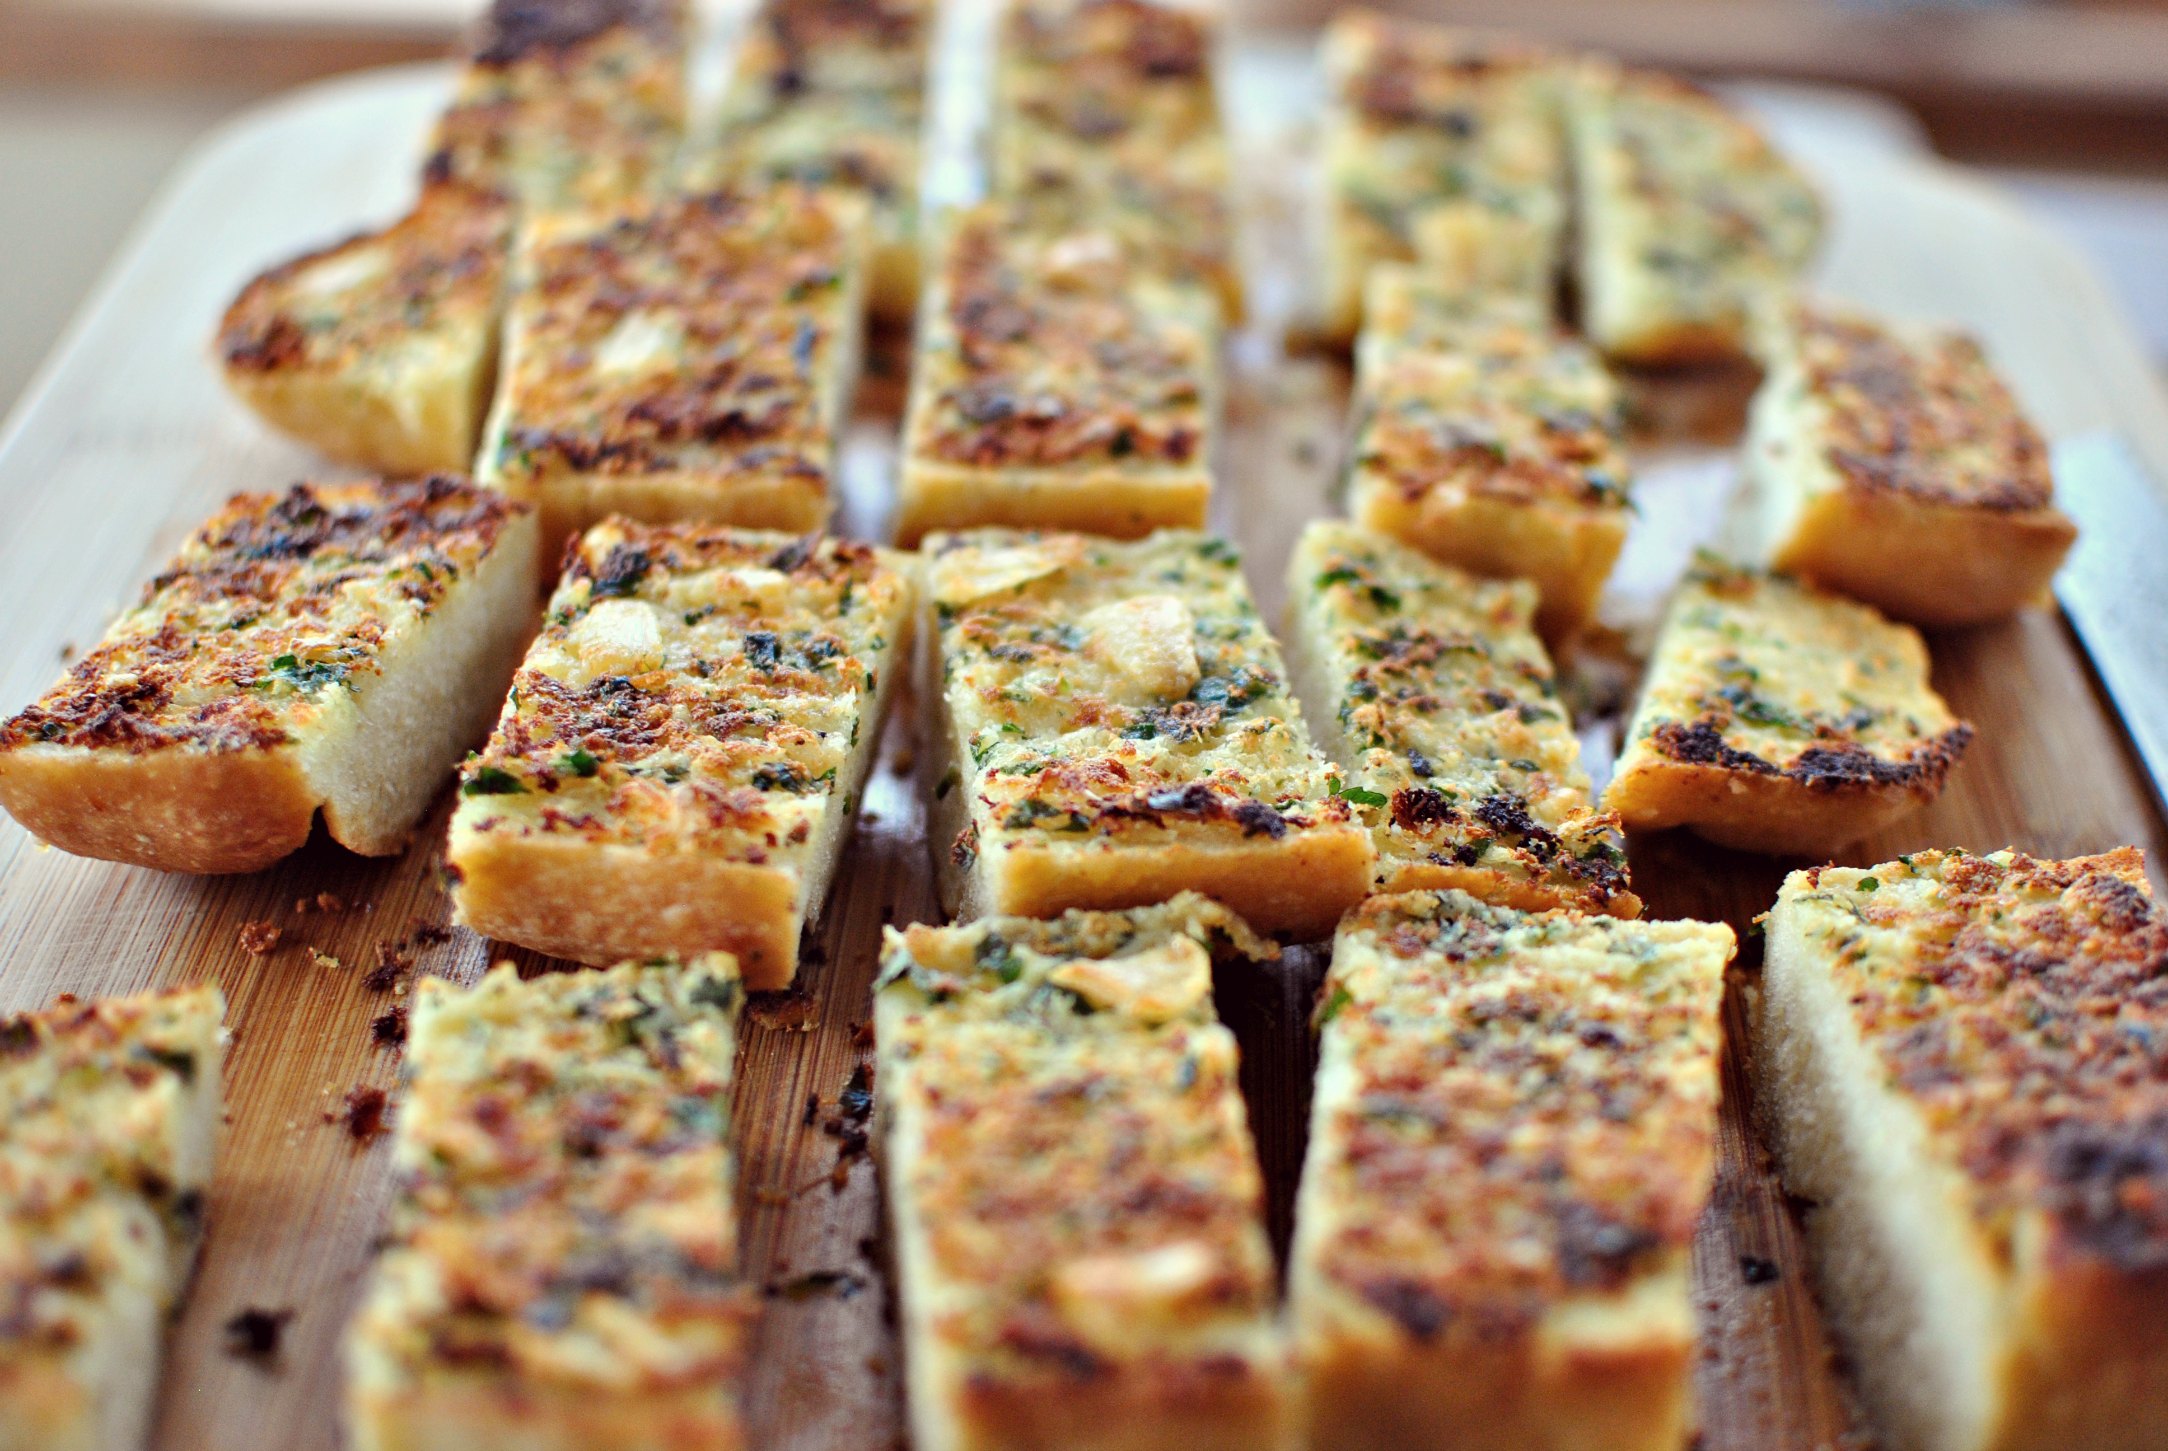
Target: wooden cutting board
{"x": 127, "y": 442}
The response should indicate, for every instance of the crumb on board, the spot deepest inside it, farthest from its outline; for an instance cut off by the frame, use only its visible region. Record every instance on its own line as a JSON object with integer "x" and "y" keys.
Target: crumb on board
{"x": 260, "y": 939}
{"x": 365, "y": 1111}
{"x": 392, "y": 962}
{"x": 254, "y": 1333}
{"x": 389, "y": 1029}
{"x": 324, "y": 959}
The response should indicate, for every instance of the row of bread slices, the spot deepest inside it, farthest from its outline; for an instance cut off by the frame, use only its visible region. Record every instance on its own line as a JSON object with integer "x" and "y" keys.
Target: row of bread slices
{"x": 1513, "y": 1137}
{"x": 677, "y": 762}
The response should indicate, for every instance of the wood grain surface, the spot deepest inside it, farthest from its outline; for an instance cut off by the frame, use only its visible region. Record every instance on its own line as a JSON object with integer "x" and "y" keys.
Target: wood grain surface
{"x": 127, "y": 442}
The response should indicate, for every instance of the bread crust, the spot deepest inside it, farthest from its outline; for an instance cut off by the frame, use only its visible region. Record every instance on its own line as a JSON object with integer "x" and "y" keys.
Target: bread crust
{"x": 173, "y": 811}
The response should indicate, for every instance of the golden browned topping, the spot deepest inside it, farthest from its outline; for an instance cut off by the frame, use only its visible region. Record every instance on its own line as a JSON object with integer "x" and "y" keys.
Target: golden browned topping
{"x": 1055, "y": 351}
{"x": 1118, "y": 691}
{"x": 278, "y": 603}
{"x": 1429, "y": 114}
{"x": 564, "y": 1184}
{"x": 567, "y": 102}
{"x": 1515, "y": 1108}
{"x": 2022, "y": 1006}
{"x": 1496, "y": 406}
{"x": 693, "y": 688}
{"x": 833, "y": 92}
{"x": 704, "y": 333}
{"x": 1074, "y": 1150}
{"x": 383, "y": 299}
{"x": 1462, "y": 755}
{"x": 1924, "y": 415}
{"x": 1755, "y": 673}
{"x": 1107, "y": 117}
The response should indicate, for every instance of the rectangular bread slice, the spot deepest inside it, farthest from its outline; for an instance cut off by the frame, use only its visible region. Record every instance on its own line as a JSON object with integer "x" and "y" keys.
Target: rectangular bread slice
{"x": 1966, "y": 1063}
{"x": 1422, "y": 117}
{"x": 562, "y": 1269}
{"x": 1107, "y": 116}
{"x": 379, "y": 351}
{"x": 1057, "y": 383}
{"x": 680, "y": 761}
{"x": 1690, "y": 221}
{"x": 1776, "y": 718}
{"x": 690, "y": 360}
{"x": 1112, "y": 726}
{"x": 109, "y": 1120}
{"x": 1492, "y": 441}
{"x": 567, "y": 103}
{"x": 1432, "y": 693}
{"x": 1512, "y": 1135}
{"x": 1891, "y": 464}
{"x": 332, "y": 648}
{"x": 835, "y": 95}
{"x": 1073, "y": 1196}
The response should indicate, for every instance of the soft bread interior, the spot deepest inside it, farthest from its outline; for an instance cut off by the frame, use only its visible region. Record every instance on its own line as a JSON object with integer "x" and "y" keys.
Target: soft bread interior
{"x": 382, "y": 751}
{"x": 1914, "y": 1300}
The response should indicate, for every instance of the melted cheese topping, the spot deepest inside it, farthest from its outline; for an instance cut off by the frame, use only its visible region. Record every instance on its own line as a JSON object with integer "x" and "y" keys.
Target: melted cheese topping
{"x": 1513, "y": 1110}
{"x": 567, "y": 105}
{"x": 1488, "y": 402}
{"x": 1047, "y": 352}
{"x": 1457, "y": 746}
{"x": 1754, "y": 673}
{"x": 1076, "y": 1153}
{"x": 107, "y": 1117}
{"x": 1068, "y": 741}
{"x": 411, "y": 300}
{"x": 1422, "y": 115}
{"x": 1107, "y": 116}
{"x": 2021, "y": 1007}
{"x": 832, "y": 93}
{"x": 565, "y": 1204}
{"x": 278, "y": 601}
{"x": 692, "y": 689}
{"x": 711, "y": 334}
{"x": 1689, "y": 215}
{"x": 1918, "y": 413}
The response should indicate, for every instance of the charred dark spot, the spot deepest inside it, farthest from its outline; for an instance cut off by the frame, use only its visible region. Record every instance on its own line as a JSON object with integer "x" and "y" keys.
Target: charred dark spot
{"x": 1418, "y": 1310}
{"x": 516, "y": 29}
{"x": 1418, "y": 808}
{"x": 1257, "y": 819}
{"x": 1595, "y": 1250}
{"x": 1702, "y": 744}
{"x": 254, "y": 1334}
{"x": 622, "y": 570}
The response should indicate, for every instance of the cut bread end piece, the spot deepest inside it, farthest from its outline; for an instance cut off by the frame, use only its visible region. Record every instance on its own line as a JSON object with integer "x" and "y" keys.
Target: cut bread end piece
{"x": 380, "y": 351}
{"x": 350, "y": 684}
{"x": 1991, "y": 1262}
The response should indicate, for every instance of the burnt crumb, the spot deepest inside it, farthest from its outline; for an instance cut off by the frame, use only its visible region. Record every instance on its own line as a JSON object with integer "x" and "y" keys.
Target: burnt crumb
{"x": 365, "y": 1111}
{"x": 389, "y": 1029}
{"x": 260, "y": 939}
{"x": 793, "y": 1011}
{"x": 811, "y": 953}
{"x": 862, "y": 1036}
{"x": 255, "y": 1333}
{"x": 1757, "y": 1271}
{"x": 856, "y": 1100}
{"x": 816, "y": 1284}
{"x": 812, "y": 1110}
{"x": 429, "y": 934}
{"x": 325, "y": 902}
{"x": 391, "y": 964}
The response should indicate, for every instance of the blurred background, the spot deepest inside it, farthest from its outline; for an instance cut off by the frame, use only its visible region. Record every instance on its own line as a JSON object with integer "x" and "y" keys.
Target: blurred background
{"x": 2063, "y": 101}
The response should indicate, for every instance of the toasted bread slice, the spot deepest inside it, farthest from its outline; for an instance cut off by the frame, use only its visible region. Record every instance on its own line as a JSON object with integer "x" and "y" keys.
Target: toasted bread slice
{"x": 1690, "y": 222}
{"x": 1112, "y": 726}
{"x": 835, "y": 95}
{"x": 1493, "y": 442}
{"x": 1074, "y": 1198}
{"x": 568, "y": 103}
{"x": 379, "y": 351}
{"x": 1512, "y": 1135}
{"x": 692, "y": 360}
{"x": 680, "y": 761}
{"x": 562, "y": 1267}
{"x": 1966, "y": 1064}
{"x": 335, "y": 647}
{"x": 1423, "y": 118}
{"x": 1891, "y": 464}
{"x": 1107, "y": 117}
{"x": 1434, "y": 696}
{"x": 1776, "y": 718}
{"x": 1057, "y": 384}
{"x": 109, "y": 1115}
